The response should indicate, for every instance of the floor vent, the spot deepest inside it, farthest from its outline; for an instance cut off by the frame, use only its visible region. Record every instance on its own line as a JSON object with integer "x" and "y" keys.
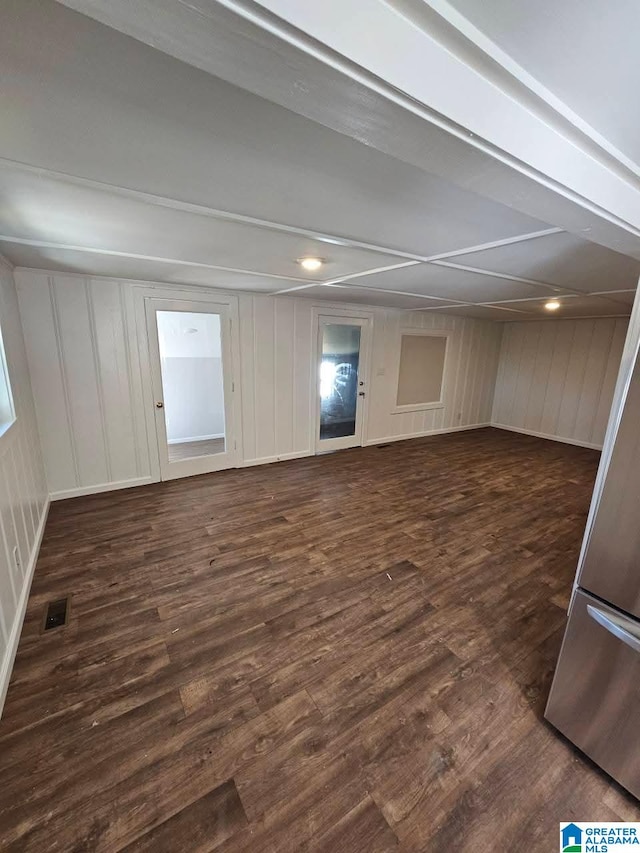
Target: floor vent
{"x": 56, "y": 614}
{"x": 380, "y": 446}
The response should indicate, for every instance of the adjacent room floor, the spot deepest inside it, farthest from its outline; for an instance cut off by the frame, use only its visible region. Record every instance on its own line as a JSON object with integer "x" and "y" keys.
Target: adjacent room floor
{"x": 190, "y": 449}
{"x": 343, "y": 653}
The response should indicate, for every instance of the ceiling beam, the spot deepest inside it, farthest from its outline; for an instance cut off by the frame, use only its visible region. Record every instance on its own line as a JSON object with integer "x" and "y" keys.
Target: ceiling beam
{"x": 421, "y": 54}
{"x": 431, "y": 104}
{"x": 449, "y": 13}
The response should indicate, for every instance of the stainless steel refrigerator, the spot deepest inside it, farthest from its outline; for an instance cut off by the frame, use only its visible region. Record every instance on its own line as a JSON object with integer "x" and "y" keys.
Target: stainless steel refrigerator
{"x": 595, "y": 695}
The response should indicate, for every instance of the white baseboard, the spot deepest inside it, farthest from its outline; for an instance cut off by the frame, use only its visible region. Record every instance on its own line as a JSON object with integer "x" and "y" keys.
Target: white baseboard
{"x": 195, "y": 438}
{"x": 16, "y": 629}
{"x": 559, "y": 438}
{"x": 79, "y": 491}
{"x": 300, "y": 454}
{"x": 408, "y": 435}
{"x": 267, "y": 460}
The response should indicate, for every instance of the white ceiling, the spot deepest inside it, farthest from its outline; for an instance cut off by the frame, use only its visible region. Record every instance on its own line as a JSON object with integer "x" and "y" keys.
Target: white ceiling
{"x": 563, "y": 260}
{"x": 567, "y": 46}
{"x": 120, "y": 161}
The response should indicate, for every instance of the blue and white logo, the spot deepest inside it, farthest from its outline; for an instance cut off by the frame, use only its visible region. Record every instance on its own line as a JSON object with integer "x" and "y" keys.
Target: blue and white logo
{"x": 570, "y": 838}
{"x": 581, "y": 837}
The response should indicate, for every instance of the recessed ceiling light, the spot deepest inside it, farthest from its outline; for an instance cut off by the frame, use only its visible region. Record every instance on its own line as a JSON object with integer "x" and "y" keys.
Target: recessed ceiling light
{"x": 552, "y": 305}
{"x": 311, "y": 264}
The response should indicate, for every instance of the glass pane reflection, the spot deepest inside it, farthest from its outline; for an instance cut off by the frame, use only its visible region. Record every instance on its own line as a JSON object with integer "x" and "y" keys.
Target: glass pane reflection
{"x": 339, "y": 380}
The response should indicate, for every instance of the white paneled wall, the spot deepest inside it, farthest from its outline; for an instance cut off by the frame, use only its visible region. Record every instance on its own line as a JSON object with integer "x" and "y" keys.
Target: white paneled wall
{"x": 85, "y": 372}
{"x": 276, "y": 347}
{"x": 470, "y": 374}
{"x": 556, "y": 378}
{"x": 84, "y": 336}
{"x": 23, "y": 491}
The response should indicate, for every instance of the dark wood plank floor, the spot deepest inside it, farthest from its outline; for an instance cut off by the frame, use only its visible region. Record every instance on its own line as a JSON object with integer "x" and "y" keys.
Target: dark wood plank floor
{"x": 345, "y": 653}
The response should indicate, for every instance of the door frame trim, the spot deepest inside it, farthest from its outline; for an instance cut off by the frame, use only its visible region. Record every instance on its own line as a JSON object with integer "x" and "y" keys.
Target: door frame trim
{"x": 142, "y": 292}
{"x": 366, "y": 350}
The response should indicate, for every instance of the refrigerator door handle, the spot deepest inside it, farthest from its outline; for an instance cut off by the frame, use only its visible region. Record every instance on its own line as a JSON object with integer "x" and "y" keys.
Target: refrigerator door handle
{"x": 615, "y": 626}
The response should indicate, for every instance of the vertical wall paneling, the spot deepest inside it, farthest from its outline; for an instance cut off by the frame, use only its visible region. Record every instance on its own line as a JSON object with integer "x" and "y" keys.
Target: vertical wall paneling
{"x": 89, "y": 362}
{"x": 303, "y": 349}
{"x": 468, "y": 384}
{"x": 23, "y": 492}
{"x": 136, "y": 323}
{"x": 247, "y": 375}
{"x": 278, "y": 341}
{"x": 575, "y": 379}
{"x": 11, "y": 576}
{"x": 609, "y": 378}
{"x": 37, "y": 314}
{"x": 264, "y": 328}
{"x": 591, "y": 389}
{"x": 556, "y": 378}
{"x": 133, "y": 388}
{"x": 82, "y": 340}
{"x": 82, "y": 379}
{"x": 113, "y": 371}
{"x": 284, "y": 373}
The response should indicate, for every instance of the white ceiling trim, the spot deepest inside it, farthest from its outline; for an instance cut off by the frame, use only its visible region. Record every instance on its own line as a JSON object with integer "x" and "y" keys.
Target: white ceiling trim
{"x": 510, "y": 277}
{"x": 469, "y": 305}
{"x": 346, "y": 282}
{"x": 187, "y": 287}
{"x": 270, "y": 57}
{"x": 336, "y": 281}
{"x": 602, "y": 294}
{"x": 496, "y": 244}
{"x": 41, "y": 244}
{"x": 463, "y": 268}
{"x": 436, "y": 260}
{"x": 276, "y": 18}
{"x": 211, "y": 212}
{"x": 393, "y": 292}
{"x": 268, "y": 225}
{"x": 528, "y": 317}
{"x": 491, "y": 49}
{"x": 539, "y": 298}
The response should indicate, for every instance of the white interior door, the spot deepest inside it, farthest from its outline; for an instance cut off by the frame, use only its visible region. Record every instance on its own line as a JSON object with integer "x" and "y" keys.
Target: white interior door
{"x": 341, "y": 381}
{"x": 193, "y": 387}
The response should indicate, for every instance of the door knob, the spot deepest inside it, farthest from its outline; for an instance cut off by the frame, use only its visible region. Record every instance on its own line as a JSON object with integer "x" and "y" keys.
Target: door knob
{"x": 159, "y": 404}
